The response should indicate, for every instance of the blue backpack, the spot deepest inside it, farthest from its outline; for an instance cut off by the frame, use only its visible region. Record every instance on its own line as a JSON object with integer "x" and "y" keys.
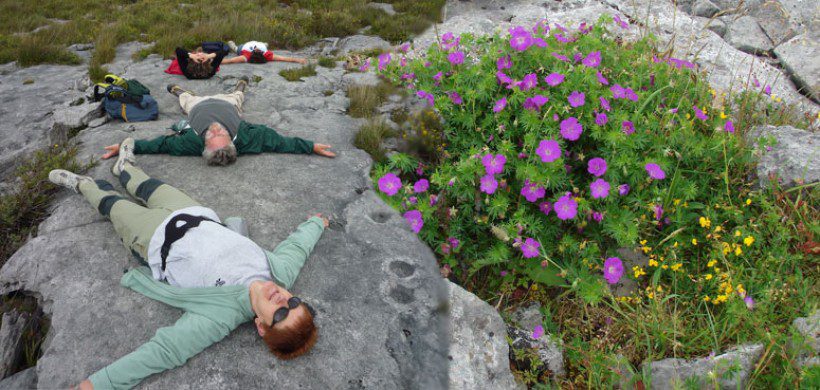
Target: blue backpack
{"x": 119, "y": 104}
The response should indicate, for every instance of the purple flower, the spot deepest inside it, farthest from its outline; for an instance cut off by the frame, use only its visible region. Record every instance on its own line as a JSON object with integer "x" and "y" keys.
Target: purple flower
{"x": 534, "y": 103}
{"x": 560, "y": 56}
{"x": 447, "y": 37}
{"x": 577, "y": 57}
{"x": 412, "y": 200}
{"x": 545, "y": 207}
{"x": 597, "y": 217}
{"x": 537, "y": 332}
{"x": 404, "y": 48}
{"x": 433, "y": 200}
{"x": 540, "y": 42}
{"x": 421, "y": 186}
{"x": 658, "y": 209}
{"x": 624, "y": 25}
{"x": 528, "y": 82}
{"x": 499, "y": 105}
{"x": 596, "y": 166}
{"x": 623, "y": 189}
{"x": 415, "y": 220}
{"x": 449, "y": 41}
{"x": 503, "y": 78}
{"x": 438, "y": 76}
{"x": 455, "y": 98}
{"x": 699, "y": 113}
{"x": 520, "y": 39}
{"x": 729, "y": 127}
{"x": 493, "y": 164}
{"x": 655, "y": 171}
{"x": 566, "y": 207}
{"x": 454, "y": 242}
{"x": 628, "y": 127}
{"x": 488, "y": 184}
{"x": 384, "y": 59}
{"x": 750, "y": 302}
{"x": 389, "y": 184}
{"x": 767, "y": 89}
{"x": 408, "y": 76}
{"x": 618, "y": 92}
{"x": 504, "y": 63}
{"x": 601, "y": 119}
{"x": 554, "y": 79}
{"x": 576, "y": 99}
{"x": 548, "y": 150}
{"x": 613, "y": 270}
{"x": 592, "y": 60}
{"x": 605, "y": 103}
{"x": 456, "y": 58}
{"x": 601, "y": 78}
{"x": 365, "y": 66}
{"x": 599, "y": 189}
{"x": 532, "y": 192}
{"x": 562, "y": 38}
{"x": 571, "y": 129}
{"x": 426, "y": 95}
{"x": 542, "y": 26}
{"x": 530, "y": 248}
{"x": 403, "y": 62}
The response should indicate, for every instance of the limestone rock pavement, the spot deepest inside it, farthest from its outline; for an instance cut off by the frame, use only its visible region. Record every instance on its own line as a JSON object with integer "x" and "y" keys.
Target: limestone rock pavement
{"x": 381, "y": 303}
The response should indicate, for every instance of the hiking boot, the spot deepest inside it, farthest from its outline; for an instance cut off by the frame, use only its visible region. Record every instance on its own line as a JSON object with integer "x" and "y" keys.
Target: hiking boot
{"x": 176, "y": 90}
{"x": 126, "y": 156}
{"x": 233, "y": 47}
{"x": 67, "y": 179}
{"x": 242, "y": 84}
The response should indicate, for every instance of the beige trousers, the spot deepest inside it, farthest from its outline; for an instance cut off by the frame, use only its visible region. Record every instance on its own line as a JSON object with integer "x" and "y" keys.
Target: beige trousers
{"x": 187, "y": 101}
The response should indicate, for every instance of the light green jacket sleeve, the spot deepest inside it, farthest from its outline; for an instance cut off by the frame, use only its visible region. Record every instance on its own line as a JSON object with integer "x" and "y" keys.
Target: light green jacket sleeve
{"x": 170, "y": 347}
{"x": 289, "y": 256}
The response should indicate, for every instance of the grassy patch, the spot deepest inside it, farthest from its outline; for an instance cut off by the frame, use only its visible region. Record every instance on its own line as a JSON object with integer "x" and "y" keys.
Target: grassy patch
{"x": 365, "y": 98}
{"x": 296, "y": 74}
{"x": 327, "y": 62}
{"x": 33, "y": 334}
{"x": 22, "y": 210}
{"x": 370, "y": 137}
{"x": 39, "y": 49}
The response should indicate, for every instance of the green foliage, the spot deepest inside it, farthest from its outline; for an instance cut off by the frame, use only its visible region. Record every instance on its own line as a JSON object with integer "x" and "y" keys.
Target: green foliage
{"x": 39, "y": 49}
{"x": 365, "y": 98}
{"x": 296, "y": 74}
{"x": 370, "y": 137}
{"x": 327, "y": 62}
{"x": 27, "y": 205}
{"x": 711, "y": 238}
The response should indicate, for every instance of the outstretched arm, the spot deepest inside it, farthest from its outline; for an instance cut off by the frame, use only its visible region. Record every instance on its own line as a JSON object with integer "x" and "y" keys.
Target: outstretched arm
{"x": 289, "y": 59}
{"x": 261, "y": 139}
{"x": 235, "y": 60}
{"x": 170, "y": 347}
{"x": 289, "y": 256}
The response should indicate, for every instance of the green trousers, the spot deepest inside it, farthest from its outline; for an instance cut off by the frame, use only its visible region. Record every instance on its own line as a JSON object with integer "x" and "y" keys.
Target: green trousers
{"x": 134, "y": 223}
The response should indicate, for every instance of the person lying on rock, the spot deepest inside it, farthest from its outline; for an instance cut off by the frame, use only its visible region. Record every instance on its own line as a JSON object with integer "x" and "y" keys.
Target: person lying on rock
{"x": 218, "y": 132}
{"x": 257, "y": 52}
{"x": 220, "y": 278}
{"x": 199, "y": 64}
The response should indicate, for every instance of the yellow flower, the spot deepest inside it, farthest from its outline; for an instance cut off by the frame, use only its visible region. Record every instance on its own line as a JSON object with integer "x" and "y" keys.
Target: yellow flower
{"x": 738, "y": 251}
{"x": 741, "y": 290}
{"x": 650, "y": 295}
{"x": 695, "y": 241}
{"x": 705, "y": 222}
{"x": 688, "y": 116}
{"x": 722, "y": 115}
{"x": 711, "y": 263}
{"x": 708, "y": 277}
{"x": 738, "y": 233}
{"x": 706, "y": 299}
{"x": 643, "y": 242}
{"x": 677, "y": 266}
{"x": 718, "y": 229}
{"x": 646, "y": 249}
{"x": 664, "y": 266}
{"x": 749, "y": 240}
{"x": 534, "y": 287}
{"x": 676, "y": 202}
{"x": 638, "y": 271}
{"x": 653, "y": 263}
{"x": 748, "y": 202}
{"x": 685, "y": 204}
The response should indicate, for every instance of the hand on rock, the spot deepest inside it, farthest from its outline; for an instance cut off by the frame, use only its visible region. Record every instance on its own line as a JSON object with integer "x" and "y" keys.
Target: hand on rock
{"x": 113, "y": 150}
{"x": 325, "y": 221}
{"x": 84, "y": 385}
{"x": 321, "y": 149}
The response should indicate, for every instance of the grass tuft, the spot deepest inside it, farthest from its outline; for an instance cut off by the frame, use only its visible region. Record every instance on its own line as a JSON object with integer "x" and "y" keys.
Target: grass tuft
{"x": 39, "y": 49}
{"x": 370, "y": 137}
{"x": 327, "y": 62}
{"x": 365, "y": 98}
{"x": 296, "y": 74}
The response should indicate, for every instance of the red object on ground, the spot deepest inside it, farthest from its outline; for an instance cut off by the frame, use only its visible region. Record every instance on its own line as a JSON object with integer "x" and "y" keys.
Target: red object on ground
{"x": 174, "y": 68}
{"x": 247, "y": 55}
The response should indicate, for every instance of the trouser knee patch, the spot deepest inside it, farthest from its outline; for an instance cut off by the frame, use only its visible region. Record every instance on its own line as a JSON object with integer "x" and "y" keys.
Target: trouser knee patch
{"x": 147, "y": 188}
{"x": 107, "y": 203}
{"x": 124, "y": 178}
{"x": 104, "y": 185}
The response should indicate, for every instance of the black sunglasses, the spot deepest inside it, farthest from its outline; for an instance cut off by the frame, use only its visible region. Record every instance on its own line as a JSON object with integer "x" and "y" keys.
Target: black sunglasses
{"x": 280, "y": 314}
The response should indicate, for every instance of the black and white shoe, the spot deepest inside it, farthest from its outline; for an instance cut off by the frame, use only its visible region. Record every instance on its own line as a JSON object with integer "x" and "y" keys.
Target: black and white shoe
{"x": 176, "y": 90}
{"x": 126, "y": 156}
{"x": 242, "y": 84}
{"x": 67, "y": 179}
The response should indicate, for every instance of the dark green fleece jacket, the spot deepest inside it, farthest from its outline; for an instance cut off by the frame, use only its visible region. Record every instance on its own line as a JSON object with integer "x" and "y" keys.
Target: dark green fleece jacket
{"x": 250, "y": 139}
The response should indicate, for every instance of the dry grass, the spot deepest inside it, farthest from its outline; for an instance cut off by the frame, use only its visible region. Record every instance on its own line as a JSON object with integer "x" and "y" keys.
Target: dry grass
{"x": 370, "y": 137}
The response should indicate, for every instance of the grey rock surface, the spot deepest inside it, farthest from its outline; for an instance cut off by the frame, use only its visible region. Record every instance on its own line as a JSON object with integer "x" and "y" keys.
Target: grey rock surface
{"x": 28, "y": 99}
{"x": 361, "y": 43}
{"x": 380, "y": 300}
{"x": 549, "y": 352}
{"x": 775, "y": 22}
{"x": 745, "y": 34}
{"x": 386, "y": 7}
{"x": 478, "y": 346}
{"x": 72, "y": 118}
{"x": 799, "y": 56}
{"x": 11, "y": 337}
{"x": 528, "y": 316}
{"x": 718, "y": 27}
{"x": 671, "y": 373}
{"x": 705, "y": 8}
{"x": 23, "y": 380}
{"x": 809, "y": 328}
{"x": 794, "y": 159}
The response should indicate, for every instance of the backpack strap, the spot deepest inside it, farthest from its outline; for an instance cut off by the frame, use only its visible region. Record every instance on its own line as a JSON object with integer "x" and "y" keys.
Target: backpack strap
{"x": 173, "y": 232}
{"x": 122, "y": 95}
